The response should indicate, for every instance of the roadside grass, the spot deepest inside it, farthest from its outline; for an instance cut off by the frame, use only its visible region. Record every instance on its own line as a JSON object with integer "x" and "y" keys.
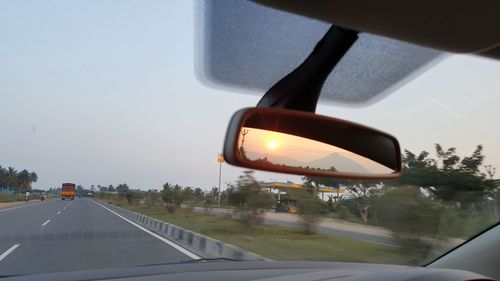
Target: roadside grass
{"x": 281, "y": 243}
{"x": 6, "y": 198}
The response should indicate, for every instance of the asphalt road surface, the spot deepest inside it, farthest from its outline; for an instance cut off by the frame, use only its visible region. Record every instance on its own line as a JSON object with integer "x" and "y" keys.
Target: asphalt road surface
{"x": 58, "y": 235}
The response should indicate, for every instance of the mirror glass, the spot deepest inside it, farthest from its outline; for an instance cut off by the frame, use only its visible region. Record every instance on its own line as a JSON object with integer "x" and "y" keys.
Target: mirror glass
{"x": 274, "y": 148}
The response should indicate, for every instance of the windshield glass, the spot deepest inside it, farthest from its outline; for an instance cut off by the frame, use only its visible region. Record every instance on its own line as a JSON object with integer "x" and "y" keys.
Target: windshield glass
{"x": 104, "y": 96}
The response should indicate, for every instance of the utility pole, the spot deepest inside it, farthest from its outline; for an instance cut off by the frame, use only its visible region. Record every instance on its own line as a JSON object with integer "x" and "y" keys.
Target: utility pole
{"x": 220, "y": 159}
{"x": 244, "y": 132}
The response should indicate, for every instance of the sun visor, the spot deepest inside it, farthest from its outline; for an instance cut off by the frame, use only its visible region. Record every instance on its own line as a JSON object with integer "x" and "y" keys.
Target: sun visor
{"x": 242, "y": 46}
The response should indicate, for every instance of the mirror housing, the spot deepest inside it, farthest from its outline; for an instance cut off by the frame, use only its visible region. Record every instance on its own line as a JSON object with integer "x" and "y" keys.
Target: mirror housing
{"x": 265, "y": 139}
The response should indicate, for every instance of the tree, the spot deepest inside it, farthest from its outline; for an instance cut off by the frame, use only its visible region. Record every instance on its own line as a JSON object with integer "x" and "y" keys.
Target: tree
{"x": 188, "y": 198}
{"x": 253, "y": 201}
{"x": 130, "y": 196}
{"x": 448, "y": 158}
{"x": 410, "y": 216}
{"x": 309, "y": 209}
{"x": 23, "y": 179}
{"x": 33, "y": 177}
{"x": 199, "y": 195}
{"x": 122, "y": 188}
{"x": 450, "y": 179}
{"x": 172, "y": 196}
{"x": 80, "y": 191}
{"x": 3, "y": 177}
{"x": 208, "y": 203}
{"x": 187, "y": 194}
{"x": 360, "y": 191}
{"x": 12, "y": 178}
{"x": 17, "y": 181}
{"x": 472, "y": 163}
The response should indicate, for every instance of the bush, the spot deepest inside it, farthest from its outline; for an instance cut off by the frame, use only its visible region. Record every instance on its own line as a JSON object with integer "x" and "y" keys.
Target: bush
{"x": 172, "y": 195}
{"x": 257, "y": 202}
{"x": 309, "y": 208}
{"x": 253, "y": 201}
{"x": 4, "y": 197}
{"x": 462, "y": 223}
{"x": 410, "y": 216}
{"x": 342, "y": 212}
{"x": 129, "y": 196}
{"x": 208, "y": 203}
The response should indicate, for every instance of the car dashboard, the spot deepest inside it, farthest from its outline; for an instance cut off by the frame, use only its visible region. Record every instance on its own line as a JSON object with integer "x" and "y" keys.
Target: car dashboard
{"x": 260, "y": 270}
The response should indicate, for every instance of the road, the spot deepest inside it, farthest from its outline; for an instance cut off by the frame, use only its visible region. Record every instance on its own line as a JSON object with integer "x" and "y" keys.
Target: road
{"x": 58, "y": 235}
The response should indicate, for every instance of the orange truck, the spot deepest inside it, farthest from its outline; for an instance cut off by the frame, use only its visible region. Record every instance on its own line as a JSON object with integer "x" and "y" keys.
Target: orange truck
{"x": 68, "y": 191}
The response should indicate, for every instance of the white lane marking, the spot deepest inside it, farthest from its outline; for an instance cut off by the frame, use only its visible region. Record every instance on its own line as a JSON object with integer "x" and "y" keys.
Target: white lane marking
{"x": 45, "y": 223}
{"x": 58, "y": 213}
{"x": 64, "y": 208}
{"x": 170, "y": 243}
{"x": 10, "y": 250}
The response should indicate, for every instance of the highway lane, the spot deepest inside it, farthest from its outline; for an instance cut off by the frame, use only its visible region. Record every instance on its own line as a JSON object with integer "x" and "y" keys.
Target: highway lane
{"x": 61, "y": 235}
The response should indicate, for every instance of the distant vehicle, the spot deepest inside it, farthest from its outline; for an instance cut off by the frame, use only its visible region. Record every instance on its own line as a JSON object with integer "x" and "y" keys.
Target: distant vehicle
{"x": 68, "y": 191}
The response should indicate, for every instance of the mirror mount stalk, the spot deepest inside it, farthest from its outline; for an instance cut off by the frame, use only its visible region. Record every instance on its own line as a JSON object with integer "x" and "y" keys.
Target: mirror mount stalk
{"x": 300, "y": 89}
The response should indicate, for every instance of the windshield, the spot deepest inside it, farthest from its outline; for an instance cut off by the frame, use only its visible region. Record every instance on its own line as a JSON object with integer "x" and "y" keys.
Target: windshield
{"x": 104, "y": 96}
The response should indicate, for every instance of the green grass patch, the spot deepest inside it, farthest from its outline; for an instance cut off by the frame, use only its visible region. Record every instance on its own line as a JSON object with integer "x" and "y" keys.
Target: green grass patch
{"x": 5, "y": 198}
{"x": 281, "y": 243}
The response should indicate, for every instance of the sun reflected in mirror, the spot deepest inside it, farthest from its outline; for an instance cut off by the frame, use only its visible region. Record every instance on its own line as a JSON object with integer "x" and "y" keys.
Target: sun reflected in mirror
{"x": 272, "y": 145}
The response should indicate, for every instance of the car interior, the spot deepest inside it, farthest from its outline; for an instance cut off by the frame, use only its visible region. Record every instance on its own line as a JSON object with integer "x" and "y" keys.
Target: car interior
{"x": 352, "y": 53}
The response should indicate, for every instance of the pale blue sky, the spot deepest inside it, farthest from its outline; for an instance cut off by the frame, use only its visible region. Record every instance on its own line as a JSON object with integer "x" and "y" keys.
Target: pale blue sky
{"x": 103, "y": 92}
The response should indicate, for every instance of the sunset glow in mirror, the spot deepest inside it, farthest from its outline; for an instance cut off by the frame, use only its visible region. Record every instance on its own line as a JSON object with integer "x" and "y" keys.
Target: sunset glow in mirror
{"x": 288, "y": 150}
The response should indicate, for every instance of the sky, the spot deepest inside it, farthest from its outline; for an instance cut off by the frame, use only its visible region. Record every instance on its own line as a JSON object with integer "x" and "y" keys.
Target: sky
{"x": 104, "y": 92}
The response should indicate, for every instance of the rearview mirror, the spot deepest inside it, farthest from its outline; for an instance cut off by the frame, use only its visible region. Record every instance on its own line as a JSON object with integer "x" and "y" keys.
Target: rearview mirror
{"x": 297, "y": 142}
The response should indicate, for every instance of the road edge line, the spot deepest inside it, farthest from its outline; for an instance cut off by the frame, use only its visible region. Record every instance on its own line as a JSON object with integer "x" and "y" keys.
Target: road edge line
{"x": 165, "y": 240}
{"x": 10, "y": 250}
{"x": 20, "y": 206}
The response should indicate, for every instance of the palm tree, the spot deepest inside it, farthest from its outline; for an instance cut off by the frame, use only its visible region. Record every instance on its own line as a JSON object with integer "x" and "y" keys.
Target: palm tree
{"x": 11, "y": 177}
{"x": 3, "y": 176}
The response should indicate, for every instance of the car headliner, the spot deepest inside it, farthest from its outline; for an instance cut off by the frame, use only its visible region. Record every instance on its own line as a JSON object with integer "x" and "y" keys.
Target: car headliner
{"x": 247, "y": 47}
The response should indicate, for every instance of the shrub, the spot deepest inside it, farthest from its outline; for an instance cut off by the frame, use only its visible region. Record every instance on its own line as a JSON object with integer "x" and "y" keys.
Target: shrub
{"x": 309, "y": 209}
{"x": 253, "y": 201}
{"x": 410, "y": 216}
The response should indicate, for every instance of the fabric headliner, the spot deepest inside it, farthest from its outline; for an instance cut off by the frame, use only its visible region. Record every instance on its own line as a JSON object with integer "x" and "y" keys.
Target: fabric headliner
{"x": 247, "y": 47}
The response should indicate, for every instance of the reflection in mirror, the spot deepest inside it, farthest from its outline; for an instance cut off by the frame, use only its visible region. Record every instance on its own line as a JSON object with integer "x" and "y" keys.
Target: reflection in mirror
{"x": 304, "y": 143}
{"x": 280, "y": 149}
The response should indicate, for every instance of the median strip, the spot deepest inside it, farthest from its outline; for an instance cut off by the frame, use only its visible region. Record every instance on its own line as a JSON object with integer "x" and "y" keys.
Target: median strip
{"x": 10, "y": 250}
{"x": 45, "y": 223}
